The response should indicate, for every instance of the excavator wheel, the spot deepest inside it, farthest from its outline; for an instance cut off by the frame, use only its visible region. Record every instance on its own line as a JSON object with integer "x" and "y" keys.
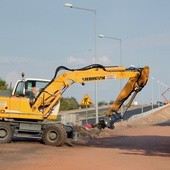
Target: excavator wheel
{"x": 6, "y": 133}
{"x": 54, "y": 135}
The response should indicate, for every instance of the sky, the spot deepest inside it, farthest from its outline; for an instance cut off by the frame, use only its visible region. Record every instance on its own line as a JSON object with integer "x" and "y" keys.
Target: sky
{"x": 37, "y": 36}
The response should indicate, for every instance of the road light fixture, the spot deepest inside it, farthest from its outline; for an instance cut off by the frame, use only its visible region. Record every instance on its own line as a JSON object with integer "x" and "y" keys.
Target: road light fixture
{"x": 95, "y": 49}
{"x": 120, "y": 57}
{"x": 152, "y": 91}
{"x": 68, "y": 5}
{"x": 158, "y": 93}
{"x": 117, "y": 39}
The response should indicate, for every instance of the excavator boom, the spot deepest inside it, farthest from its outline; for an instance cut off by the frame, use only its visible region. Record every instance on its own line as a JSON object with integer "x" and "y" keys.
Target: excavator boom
{"x": 52, "y": 93}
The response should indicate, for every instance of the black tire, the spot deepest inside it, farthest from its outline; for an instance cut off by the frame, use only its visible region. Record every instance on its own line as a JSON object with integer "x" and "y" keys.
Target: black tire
{"x": 64, "y": 137}
{"x": 6, "y": 133}
{"x": 54, "y": 135}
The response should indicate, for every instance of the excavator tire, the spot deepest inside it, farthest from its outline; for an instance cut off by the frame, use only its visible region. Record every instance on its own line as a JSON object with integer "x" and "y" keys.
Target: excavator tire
{"x": 54, "y": 135}
{"x": 6, "y": 133}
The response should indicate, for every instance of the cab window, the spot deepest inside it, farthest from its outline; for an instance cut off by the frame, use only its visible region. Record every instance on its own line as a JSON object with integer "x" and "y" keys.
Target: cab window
{"x": 19, "y": 91}
{"x": 35, "y": 87}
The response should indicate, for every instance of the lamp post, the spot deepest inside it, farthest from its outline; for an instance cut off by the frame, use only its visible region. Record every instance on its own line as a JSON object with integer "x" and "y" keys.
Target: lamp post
{"x": 158, "y": 93}
{"x": 120, "y": 57}
{"x": 152, "y": 91}
{"x": 94, "y": 12}
{"x": 117, "y": 39}
{"x": 95, "y": 50}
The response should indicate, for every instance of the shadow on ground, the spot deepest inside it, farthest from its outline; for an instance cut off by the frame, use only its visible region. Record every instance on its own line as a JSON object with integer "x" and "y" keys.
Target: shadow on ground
{"x": 166, "y": 123}
{"x": 142, "y": 145}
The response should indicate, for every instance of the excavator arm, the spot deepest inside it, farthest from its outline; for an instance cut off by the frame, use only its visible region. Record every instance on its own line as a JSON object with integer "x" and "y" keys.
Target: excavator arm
{"x": 51, "y": 94}
{"x": 131, "y": 89}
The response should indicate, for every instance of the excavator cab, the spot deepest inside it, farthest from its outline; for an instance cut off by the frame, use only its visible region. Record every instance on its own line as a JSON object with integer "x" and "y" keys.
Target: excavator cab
{"x": 29, "y": 87}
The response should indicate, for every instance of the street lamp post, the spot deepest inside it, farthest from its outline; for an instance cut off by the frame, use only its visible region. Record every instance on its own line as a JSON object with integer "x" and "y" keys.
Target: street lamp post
{"x": 152, "y": 91}
{"x": 95, "y": 50}
{"x": 158, "y": 93}
{"x": 120, "y": 57}
{"x": 94, "y": 12}
{"x": 117, "y": 39}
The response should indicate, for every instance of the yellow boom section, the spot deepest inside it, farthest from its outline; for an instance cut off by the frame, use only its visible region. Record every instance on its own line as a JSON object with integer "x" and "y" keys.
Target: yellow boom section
{"x": 52, "y": 93}
{"x": 132, "y": 87}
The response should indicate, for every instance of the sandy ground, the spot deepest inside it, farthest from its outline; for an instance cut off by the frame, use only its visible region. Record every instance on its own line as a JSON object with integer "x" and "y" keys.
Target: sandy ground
{"x": 141, "y": 144}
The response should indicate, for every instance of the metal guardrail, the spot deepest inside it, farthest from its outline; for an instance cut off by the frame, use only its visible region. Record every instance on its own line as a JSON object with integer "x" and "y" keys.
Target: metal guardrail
{"x": 134, "y": 117}
{"x": 132, "y": 114}
{"x": 5, "y": 93}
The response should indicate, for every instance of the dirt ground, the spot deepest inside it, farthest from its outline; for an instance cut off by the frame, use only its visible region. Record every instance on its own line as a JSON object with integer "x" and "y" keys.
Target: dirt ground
{"x": 141, "y": 144}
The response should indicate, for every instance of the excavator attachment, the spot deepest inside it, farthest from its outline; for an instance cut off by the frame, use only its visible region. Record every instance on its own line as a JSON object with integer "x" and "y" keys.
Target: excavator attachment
{"x": 130, "y": 90}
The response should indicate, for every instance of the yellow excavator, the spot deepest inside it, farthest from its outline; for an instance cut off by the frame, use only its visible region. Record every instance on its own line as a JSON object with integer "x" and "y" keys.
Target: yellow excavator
{"x": 32, "y": 108}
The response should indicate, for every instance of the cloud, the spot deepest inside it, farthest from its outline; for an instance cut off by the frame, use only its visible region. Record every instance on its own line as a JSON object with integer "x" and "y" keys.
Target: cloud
{"x": 13, "y": 60}
{"x": 104, "y": 60}
{"x": 84, "y": 61}
{"x": 76, "y": 60}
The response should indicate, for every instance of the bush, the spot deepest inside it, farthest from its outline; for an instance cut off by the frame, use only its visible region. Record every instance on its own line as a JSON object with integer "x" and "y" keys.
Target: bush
{"x": 3, "y": 85}
{"x": 68, "y": 104}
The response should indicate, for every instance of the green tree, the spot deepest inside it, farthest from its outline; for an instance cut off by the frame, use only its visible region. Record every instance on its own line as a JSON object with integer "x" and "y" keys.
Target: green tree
{"x": 68, "y": 104}
{"x": 3, "y": 85}
{"x": 73, "y": 103}
{"x": 111, "y": 102}
{"x": 101, "y": 103}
